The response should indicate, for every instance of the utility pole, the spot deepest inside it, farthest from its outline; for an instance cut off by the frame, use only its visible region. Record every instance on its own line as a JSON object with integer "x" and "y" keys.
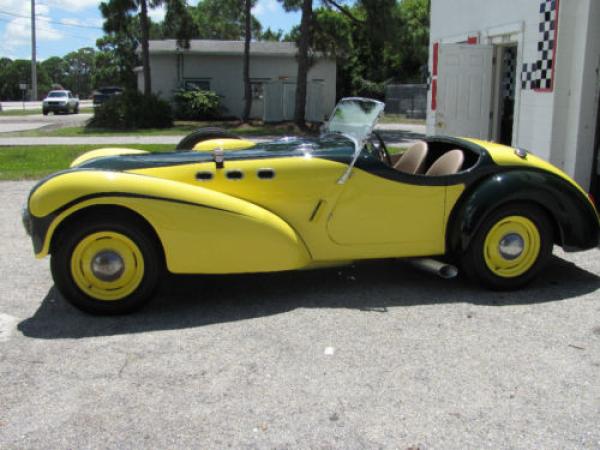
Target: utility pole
{"x": 34, "y": 90}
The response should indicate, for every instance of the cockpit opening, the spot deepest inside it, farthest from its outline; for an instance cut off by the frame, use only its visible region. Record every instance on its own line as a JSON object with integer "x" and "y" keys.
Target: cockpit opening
{"x": 434, "y": 158}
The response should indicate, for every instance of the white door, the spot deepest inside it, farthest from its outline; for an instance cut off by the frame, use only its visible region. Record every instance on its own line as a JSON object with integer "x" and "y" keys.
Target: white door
{"x": 314, "y": 102}
{"x": 273, "y": 104}
{"x": 258, "y": 100}
{"x": 464, "y": 97}
{"x": 289, "y": 100}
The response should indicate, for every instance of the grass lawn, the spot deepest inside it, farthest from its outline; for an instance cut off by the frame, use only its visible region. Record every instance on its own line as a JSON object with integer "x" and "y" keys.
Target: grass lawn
{"x": 33, "y": 112}
{"x": 20, "y": 112}
{"x": 27, "y": 163}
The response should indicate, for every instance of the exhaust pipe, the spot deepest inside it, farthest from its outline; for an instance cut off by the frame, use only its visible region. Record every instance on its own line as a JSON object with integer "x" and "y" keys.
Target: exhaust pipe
{"x": 438, "y": 268}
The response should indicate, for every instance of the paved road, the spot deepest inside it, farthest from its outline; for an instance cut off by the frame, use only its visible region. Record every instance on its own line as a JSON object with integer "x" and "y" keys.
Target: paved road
{"x": 372, "y": 356}
{"x": 12, "y": 124}
{"x": 11, "y": 106}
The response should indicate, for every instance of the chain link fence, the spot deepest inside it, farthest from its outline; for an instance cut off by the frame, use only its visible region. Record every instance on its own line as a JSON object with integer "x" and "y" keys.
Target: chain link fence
{"x": 406, "y": 99}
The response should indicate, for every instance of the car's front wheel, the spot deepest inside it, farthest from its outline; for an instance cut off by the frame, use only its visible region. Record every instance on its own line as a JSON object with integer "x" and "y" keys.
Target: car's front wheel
{"x": 510, "y": 247}
{"x": 106, "y": 268}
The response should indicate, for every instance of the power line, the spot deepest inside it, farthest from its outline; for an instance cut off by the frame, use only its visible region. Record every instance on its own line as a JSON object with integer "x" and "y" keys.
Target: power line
{"x": 83, "y": 38}
{"x": 49, "y": 20}
{"x": 51, "y": 30}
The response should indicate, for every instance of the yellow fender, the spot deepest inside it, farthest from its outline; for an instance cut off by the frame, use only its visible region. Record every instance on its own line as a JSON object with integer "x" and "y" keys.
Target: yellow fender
{"x": 201, "y": 231}
{"x": 223, "y": 144}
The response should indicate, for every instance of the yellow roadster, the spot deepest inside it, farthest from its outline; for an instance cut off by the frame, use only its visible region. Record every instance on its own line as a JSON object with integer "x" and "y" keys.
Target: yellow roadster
{"x": 119, "y": 218}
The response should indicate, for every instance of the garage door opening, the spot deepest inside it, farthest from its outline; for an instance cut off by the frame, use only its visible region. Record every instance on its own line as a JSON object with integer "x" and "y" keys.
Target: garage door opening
{"x": 504, "y": 93}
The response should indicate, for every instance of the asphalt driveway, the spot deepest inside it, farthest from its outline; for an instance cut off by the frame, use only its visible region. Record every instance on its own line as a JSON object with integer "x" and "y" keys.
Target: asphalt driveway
{"x": 376, "y": 355}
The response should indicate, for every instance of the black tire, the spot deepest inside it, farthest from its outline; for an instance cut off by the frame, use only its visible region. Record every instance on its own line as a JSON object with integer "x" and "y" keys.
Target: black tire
{"x": 76, "y": 110}
{"x": 204, "y": 134}
{"x": 60, "y": 265}
{"x": 474, "y": 264}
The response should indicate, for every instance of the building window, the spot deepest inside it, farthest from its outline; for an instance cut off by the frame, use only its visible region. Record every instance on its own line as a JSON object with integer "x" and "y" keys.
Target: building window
{"x": 202, "y": 84}
{"x": 258, "y": 90}
{"x": 257, "y": 87}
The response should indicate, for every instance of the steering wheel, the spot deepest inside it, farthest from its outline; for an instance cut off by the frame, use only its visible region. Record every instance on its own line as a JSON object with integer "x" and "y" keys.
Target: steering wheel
{"x": 382, "y": 150}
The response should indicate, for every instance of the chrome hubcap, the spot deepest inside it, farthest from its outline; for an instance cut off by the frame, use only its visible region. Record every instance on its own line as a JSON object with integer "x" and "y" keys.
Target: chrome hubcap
{"x": 107, "y": 265}
{"x": 511, "y": 246}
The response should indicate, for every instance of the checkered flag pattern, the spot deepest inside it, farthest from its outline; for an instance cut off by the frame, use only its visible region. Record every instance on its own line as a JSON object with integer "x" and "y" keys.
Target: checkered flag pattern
{"x": 528, "y": 76}
{"x": 538, "y": 75}
{"x": 509, "y": 66}
{"x": 548, "y": 22}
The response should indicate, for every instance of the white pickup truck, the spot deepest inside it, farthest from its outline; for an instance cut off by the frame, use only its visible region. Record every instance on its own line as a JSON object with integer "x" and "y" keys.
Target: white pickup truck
{"x": 60, "y": 101}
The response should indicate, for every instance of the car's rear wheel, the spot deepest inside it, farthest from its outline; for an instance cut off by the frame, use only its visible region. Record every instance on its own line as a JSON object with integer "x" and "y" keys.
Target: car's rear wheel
{"x": 510, "y": 247}
{"x": 203, "y": 134}
{"x": 106, "y": 268}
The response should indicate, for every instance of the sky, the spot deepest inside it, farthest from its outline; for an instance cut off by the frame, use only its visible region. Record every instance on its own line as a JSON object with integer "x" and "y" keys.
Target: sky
{"x": 66, "y": 25}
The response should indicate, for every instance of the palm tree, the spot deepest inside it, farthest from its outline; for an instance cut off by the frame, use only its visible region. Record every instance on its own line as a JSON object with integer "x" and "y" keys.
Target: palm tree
{"x": 118, "y": 19}
{"x": 303, "y": 62}
{"x": 145, "y": 26}
{"x": 247, "y": 38}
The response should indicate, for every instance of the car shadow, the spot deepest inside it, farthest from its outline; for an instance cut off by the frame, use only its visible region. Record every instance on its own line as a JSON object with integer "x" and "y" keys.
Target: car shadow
{"x": 195, "y": 301}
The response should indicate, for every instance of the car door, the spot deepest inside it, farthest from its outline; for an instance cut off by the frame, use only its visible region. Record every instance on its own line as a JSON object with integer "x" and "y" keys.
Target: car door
{"x": 401, "y": 214}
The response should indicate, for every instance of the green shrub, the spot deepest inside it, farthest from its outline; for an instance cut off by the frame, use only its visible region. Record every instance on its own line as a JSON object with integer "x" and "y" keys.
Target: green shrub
{"x": 196, "y": 104}
{"x": 369, "y": 89}
{"x": 133, "y": 110}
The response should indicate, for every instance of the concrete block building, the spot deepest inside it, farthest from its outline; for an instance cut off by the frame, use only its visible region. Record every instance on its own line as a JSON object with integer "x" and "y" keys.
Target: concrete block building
{"x": 217, "y": 66}
{"x": 521, "y": 72}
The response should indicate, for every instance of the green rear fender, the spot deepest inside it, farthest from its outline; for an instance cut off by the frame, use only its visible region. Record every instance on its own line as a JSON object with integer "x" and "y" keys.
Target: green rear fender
{"x": 574, "y": 217}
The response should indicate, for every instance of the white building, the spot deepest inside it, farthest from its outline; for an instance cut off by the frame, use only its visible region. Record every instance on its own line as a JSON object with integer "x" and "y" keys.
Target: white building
{"x": 521, "y": 72}
{"x": 217, "y": 66}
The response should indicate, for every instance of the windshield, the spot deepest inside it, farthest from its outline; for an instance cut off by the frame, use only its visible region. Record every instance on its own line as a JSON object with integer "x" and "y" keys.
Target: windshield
{"x": 57, "y": 94}
{"x": 355, "y": 117}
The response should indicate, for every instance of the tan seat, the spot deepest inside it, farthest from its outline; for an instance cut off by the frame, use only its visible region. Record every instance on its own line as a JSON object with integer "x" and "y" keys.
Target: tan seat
{"x": 447, "y": 164}
{"x": 413, "y": 160}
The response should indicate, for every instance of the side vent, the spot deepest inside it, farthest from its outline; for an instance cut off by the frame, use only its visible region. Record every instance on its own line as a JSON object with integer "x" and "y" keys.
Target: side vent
{"x": 316, "y": 214}
{"x": 234, "y": 175}
{"x": 204, "y": 176}
{"x": 265, "y": 174}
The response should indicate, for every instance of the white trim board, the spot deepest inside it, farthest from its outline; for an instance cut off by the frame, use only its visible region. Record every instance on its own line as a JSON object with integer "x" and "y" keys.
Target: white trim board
{"x": 500, "y": 30}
